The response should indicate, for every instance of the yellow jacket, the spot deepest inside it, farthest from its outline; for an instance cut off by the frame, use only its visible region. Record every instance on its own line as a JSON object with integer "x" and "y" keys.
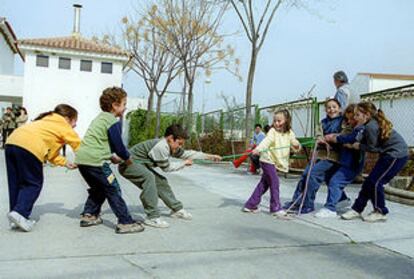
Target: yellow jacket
{"x": 45, "y": 137}
{"x": 276, "y": 147}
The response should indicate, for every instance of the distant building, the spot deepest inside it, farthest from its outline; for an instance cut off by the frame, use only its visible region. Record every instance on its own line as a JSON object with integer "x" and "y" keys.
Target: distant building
{"x": 72, "y": 70}
{"x": 372, "y": 82}
{"x": 11, "y": 86}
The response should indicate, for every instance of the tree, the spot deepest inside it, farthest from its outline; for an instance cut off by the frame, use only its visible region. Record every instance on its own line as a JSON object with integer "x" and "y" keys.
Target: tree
{"x": 192, "y": 35}
{"x": 152, "y": 60}
{"x": 256, "y": 28}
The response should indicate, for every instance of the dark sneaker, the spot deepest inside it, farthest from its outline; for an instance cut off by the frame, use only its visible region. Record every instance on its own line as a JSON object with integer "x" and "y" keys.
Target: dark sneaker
{"x": 129, "y": 228}
{"x": 290, "y": 206}
{"x": 88, "y": 220}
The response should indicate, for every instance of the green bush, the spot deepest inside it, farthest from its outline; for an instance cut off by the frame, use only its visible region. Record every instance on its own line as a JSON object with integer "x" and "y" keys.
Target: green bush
{"x": 139, "y": 132}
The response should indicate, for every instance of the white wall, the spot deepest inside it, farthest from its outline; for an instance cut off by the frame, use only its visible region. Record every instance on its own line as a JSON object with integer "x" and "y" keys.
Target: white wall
{"x": 381, "y": 84}
{"x": 11, "y": 86}
{"x": 360, "y": 84}
{"x": 6, "y": 58}
{"x": 44, "y": 88}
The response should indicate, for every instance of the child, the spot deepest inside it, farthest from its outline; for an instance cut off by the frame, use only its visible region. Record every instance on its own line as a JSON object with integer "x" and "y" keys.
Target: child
{"x": 157, "y": 153}
{"x": 327, "y": 161}
{"x": 351, "y": 163}
{"x": 280, "y": 135}
{"x": 102, "y": 139}
{"x": 27, "y": 148}
{"x": 378, "y": 137}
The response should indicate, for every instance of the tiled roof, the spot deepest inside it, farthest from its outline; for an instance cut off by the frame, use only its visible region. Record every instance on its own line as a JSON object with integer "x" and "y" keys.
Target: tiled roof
{"x": 74, "y": 43}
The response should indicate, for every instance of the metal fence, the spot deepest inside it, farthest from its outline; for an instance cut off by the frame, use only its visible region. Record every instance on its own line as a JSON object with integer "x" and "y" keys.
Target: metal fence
{"x": 398, "y": 106}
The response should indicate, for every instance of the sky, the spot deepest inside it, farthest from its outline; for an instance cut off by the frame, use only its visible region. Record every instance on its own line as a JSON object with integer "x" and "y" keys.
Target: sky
{"x": 304, "y": 47}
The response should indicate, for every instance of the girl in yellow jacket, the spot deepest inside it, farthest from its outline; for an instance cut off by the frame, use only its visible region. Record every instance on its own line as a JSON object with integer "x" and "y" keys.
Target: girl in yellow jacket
{"x": 27, "y": 148}
{"x": 274, "y": 156}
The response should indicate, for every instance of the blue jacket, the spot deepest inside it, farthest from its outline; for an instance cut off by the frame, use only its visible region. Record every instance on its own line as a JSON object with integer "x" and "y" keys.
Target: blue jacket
{"x": 350, "y": 158}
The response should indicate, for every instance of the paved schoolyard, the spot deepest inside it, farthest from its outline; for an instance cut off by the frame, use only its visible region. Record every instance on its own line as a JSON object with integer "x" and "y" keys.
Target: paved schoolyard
{"x": 220, "y": 242}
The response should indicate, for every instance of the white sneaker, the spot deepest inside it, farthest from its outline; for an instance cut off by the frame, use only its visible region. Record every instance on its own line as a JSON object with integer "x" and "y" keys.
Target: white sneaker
{"x": 344, "y": 203}
{"x": 374, "y": 217}
{"x": 351, "y": 215}
{"x": 181, "y": 214}
{"x": 248, "y": 210}
{"x": 21, "y": 222}
{"x": 325, "y": 213}
{"x": 156, "y": 223}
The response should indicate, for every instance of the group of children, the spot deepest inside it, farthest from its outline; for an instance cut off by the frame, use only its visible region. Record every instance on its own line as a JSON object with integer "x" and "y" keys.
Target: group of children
{"x": 342, "y": 142}
{"x": 33, "y": 144}
{"x": 339, "y": 157}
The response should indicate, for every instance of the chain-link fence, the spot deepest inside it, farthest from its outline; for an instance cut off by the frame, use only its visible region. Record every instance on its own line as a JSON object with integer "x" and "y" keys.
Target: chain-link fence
{"x": 211, "y": 121}
{"x": 234, "y": 123}
{"x": 398, "y": 106}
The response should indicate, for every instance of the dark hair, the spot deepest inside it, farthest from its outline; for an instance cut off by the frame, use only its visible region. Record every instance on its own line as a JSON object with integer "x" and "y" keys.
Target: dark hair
{"x": 288, "y": 118}
{"x": 267, "y": 128}
{"x": 258, "y": 125}
{"x": 177, "y": 131}
{"x": 63, "y": 110}
{"x": 341, "y": 77}
{"x": 350, "y": 109}
{"x": 332, "y": 100}
{"x": 9, "y": 108}
{"x": 384, "y": 123}
{"x": 23, "y": 109}
{"x": 111, "y": 95}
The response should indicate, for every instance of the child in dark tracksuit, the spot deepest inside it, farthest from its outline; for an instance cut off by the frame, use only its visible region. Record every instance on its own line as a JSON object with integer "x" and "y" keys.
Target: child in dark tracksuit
{"x": 378, "y": 137}
{"x": 326, "y": 165}
{"x": 102, "y": 140}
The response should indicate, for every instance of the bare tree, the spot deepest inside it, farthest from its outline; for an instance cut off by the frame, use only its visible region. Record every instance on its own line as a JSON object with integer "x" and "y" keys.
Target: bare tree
{"x": 153, "y": 61}
{"x": 256, "y": 26}
{"x": 192, "y": 35}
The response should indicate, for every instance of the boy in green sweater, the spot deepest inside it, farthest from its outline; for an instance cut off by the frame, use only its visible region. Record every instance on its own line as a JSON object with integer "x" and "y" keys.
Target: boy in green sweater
{"x": 102, "y": 144}
{"x": 151, "y": 154}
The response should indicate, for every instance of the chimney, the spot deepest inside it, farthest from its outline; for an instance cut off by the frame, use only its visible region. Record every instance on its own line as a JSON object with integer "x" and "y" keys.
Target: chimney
{"x": 76, "y": 20}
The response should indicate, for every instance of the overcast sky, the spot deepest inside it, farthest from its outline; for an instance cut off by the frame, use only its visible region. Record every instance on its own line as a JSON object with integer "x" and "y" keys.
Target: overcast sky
{"x": 304, "y": 47}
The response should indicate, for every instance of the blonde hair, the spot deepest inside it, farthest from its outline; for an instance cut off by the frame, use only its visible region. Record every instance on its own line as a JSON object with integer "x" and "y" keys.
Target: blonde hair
{"x": 288, "y": 119}
{"x": 384, "y": 123}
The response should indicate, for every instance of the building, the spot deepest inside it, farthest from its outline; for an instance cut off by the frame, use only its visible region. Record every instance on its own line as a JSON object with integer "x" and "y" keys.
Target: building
{"x": 11, "y": 86}
{"x": 72, "y": 70}
{"x": 372, "y": 82}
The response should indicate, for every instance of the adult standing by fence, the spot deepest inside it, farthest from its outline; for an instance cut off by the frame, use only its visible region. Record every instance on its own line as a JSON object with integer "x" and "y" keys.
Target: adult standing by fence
{"x": 343, "y": 91}
{"x": 9, "y": 123}
{"x": 22, "y": 118}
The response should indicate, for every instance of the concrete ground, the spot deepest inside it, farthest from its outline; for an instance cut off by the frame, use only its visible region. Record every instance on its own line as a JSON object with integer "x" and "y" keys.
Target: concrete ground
{"x": 220, "y": 242}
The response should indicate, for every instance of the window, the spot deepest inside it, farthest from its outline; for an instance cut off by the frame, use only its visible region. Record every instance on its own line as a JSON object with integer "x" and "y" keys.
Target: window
{"x": 42, "y": 61}
{"x": 64, "y": 63}
{"x": 86, "y": 65}
{"x": 106, "y": 68}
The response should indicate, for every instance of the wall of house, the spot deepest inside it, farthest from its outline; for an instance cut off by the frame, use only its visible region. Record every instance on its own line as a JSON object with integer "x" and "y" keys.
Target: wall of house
{"x": 44, "y": 88}
{"x": 381, "y": 84}
{"x": 6, "y": 58}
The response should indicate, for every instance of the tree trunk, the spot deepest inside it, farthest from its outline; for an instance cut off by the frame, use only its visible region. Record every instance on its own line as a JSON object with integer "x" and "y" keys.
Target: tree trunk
{"x": 158, "y": 122}
{"x": 150, "y": 105}
{"x": 190, "y": 106}
{"x": 249, "y": 92}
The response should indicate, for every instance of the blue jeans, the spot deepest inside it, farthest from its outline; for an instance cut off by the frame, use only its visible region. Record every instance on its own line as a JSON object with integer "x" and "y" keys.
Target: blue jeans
{"x": 321, "y": 172}
{"x": 25, "y": 179}
{"x": 337, "y": 182}
{"x": 103, "y": 185}
{"x": 373, "y": 187}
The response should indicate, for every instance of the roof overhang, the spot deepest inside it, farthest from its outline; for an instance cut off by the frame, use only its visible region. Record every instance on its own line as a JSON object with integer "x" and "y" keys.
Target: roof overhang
{"x": 7, "y": 32}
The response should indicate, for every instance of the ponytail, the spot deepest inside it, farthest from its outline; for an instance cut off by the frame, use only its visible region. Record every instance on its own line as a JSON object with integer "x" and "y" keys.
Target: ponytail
{"x": 63, "y": 110}
{"x": 384, "y": 124}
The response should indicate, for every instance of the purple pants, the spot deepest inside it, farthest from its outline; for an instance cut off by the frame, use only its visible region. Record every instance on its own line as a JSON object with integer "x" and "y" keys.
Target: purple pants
{"x": 269, "y": 180}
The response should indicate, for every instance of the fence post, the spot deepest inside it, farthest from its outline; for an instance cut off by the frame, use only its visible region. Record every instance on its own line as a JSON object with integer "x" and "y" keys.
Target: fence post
{"x": 221, "y": 123}
{"x": 315, "y": 114}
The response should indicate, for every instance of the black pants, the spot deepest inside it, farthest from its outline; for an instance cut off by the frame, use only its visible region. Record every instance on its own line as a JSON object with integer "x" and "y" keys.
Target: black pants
{"x": 25, "y": 179}
{"x": 103, "y": 185}
{"x": 6, "y": 134}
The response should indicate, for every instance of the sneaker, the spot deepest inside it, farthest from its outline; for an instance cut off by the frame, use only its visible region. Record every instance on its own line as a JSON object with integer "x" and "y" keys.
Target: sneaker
{"x": 129, "y": 228}
{"x": 21, "y": 222}
{"x": 290, "y": 206}
{"x": 181, "y": 214}
{"x": 248, "y": 210}
{"x": 374, "y": 217}
{"x": 351, "y": 215}
{"x": 344, "y": 203}
{"x": 156, "y": 223}
{"x": 88, "y": 220}
{"x": 325, "y": 213}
